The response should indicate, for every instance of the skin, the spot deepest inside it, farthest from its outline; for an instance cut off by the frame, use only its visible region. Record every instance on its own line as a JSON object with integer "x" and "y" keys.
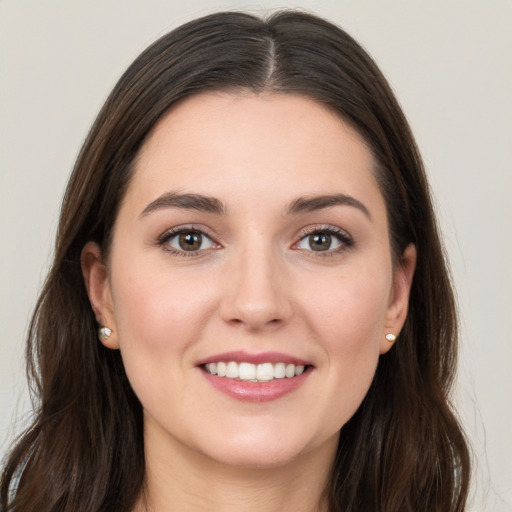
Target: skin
{"x": 257, "y": 286}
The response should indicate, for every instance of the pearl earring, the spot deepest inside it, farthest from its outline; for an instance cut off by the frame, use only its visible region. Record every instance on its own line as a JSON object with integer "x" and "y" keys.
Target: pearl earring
{"x": 104, "y": 333}
{"x": 390, "y": 337}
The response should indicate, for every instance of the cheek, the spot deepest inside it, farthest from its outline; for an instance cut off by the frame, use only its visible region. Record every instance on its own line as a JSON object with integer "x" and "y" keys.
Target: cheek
{"x": 347, "y": 317}
{"x": 153, "y": 306}
{"x": 350, "y": 310}
{"x": 158, "y": 318}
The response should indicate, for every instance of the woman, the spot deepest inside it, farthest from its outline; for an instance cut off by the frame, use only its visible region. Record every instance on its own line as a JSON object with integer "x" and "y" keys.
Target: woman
{"x": 248, "y": 231}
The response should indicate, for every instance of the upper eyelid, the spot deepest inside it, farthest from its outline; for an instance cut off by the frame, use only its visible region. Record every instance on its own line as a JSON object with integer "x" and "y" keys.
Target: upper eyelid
{"x": 169, "y": 233}
{"x": 324, "y": 228}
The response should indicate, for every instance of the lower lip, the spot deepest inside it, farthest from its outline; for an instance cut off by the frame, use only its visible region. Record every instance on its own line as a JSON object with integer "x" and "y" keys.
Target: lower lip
{"x": 247, "y": 391}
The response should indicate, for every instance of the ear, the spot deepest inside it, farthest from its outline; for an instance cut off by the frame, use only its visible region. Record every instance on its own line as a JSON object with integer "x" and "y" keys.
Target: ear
{"x": 98, "y": 288}
{"x": 399, "y": 297}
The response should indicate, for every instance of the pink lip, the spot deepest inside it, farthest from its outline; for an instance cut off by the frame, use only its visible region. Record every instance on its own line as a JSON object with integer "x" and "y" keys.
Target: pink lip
{"x": 255, "y": 391}
{"x": 247, "y": 391}
{"x": 240, "y": 356}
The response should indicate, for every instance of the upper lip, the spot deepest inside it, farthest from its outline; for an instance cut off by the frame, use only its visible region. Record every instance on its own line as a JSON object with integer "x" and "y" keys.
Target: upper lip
{"x": 240, "y": 356}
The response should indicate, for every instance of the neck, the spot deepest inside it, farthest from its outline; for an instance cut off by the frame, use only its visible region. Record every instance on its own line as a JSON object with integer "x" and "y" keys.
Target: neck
{"x": 183, "y": 479}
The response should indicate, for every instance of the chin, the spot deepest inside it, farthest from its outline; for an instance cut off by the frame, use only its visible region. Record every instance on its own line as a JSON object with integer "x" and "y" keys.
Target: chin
{"x": 253, "y": 451}
{"x": 257, "y": 459}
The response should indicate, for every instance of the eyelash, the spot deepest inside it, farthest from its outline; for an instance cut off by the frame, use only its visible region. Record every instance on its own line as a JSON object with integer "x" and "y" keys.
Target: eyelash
{"x": 345, "y": 240}
{"x": 164, "y": 239}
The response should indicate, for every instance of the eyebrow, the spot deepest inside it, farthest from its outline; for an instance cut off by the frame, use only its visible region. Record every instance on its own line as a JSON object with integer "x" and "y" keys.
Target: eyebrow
{"x": 211, "y": 204}
{"x": 310, "y": 204}
{"x": 198, "y": 202}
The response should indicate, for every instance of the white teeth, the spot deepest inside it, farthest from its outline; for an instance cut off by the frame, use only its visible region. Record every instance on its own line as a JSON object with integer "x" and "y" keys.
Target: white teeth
{"x": 232, "y": 370}
{"x": 257, "y": 373}
{"x": 221, "y": 369}
{"x": 299, "y": 369}
{"x": 279, "y": 371}
{"x": 290, "y": 371}
{"x": 265, "y": 371}
{"x": 246, "y": 371}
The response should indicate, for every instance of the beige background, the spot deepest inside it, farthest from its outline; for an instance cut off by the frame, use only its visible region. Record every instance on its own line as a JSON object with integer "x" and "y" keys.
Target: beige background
{"x": 450, "y": 63}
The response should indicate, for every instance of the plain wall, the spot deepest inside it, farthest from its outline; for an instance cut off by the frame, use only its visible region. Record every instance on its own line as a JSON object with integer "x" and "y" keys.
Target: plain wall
{"x": 451, "y": 67}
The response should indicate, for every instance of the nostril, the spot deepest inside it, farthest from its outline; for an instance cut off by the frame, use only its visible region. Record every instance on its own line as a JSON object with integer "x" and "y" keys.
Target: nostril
{"x": 255, "y": 305}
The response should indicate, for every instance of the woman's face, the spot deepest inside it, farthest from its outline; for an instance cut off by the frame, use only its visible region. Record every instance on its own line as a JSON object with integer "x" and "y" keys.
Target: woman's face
{"x": 252, "y": 233}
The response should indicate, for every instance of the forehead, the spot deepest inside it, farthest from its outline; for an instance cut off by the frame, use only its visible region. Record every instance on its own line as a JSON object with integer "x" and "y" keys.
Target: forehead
{"x": 222, "y": 144}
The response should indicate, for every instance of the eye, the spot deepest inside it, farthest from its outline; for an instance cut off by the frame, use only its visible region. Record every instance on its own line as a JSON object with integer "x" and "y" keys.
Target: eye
{"x": 187, "y": 240}
{"x": 324, "y": 240}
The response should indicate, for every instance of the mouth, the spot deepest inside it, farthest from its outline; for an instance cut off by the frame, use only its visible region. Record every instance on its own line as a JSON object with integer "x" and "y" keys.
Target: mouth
{"x": 250, "y": 372}
{"x": 255, "y": 377}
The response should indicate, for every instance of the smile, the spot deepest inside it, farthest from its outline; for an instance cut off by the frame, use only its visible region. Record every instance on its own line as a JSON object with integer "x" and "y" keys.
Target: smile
{"x": 261, "y": 377}
{"x": 264, "y": 372}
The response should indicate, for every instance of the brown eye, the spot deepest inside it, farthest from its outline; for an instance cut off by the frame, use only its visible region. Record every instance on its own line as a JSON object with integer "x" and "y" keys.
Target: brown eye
{"x": 320, "y": 241}
{"x": 324, "y": 241}
{"x": 190, "y": 241}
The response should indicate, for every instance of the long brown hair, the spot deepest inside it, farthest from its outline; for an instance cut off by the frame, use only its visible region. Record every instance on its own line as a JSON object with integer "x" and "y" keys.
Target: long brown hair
{"x": 403, "y": 450}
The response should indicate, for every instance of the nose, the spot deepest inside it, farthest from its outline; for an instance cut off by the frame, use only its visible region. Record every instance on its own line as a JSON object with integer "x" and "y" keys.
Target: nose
{"x": 257, "y": 291}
